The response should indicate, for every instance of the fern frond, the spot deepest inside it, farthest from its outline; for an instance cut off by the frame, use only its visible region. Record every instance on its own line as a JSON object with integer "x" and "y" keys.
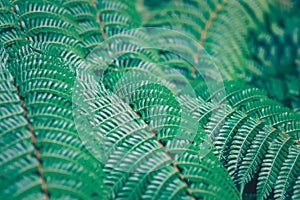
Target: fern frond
{"x": 7, "y": 20}
{"x": 61, "y": 42}
{"x": 223, "y": 16}
{"x": 40, "y": 9}
{"x": 49, "y": 22}
{"x": 296, "y": 189}
{"x": 10, "y": 31}
{"x": 81, "y": 10}
{"x": 251, "y": 163}
{"x": 155, "y": 122}
{"x": 274, "y": 49}
{"x": 13, "y": 37}
{"x": 241, "y": 142}
{"x": 287, "y": 175}
{"x": 15, "y": 139}
{"x": 255, "y": 103}
{"x": 271, "y": 166}
{"x": 46, "y": 146}
{"x": 35, "y": 26}
{"x": 116, "y": 16}
{"x": 84, "y": 13}
{"x": 133, "y": 145}
{"x": 242, "y": 139}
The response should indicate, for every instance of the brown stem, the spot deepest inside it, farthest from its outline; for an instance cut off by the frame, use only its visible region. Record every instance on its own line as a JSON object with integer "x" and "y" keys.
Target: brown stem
{"x": 36, "y": 151}
{"x": 100, "y": 22}
{"x": 170, "y": 157}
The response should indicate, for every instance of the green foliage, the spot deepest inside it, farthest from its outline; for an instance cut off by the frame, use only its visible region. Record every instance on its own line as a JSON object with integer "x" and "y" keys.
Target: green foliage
{"x": 276, "y": 50}
{"x": 158, "y": 114}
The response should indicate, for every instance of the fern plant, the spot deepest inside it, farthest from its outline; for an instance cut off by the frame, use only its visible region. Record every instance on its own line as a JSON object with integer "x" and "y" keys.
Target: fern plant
{"x": 94, "y": 108}
{"x": 277, "y": 45}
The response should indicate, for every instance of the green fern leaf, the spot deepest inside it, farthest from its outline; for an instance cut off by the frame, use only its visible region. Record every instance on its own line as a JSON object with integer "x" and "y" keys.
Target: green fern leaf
{"x": 287, "y": 174}
{"x": 271, "y": 166}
